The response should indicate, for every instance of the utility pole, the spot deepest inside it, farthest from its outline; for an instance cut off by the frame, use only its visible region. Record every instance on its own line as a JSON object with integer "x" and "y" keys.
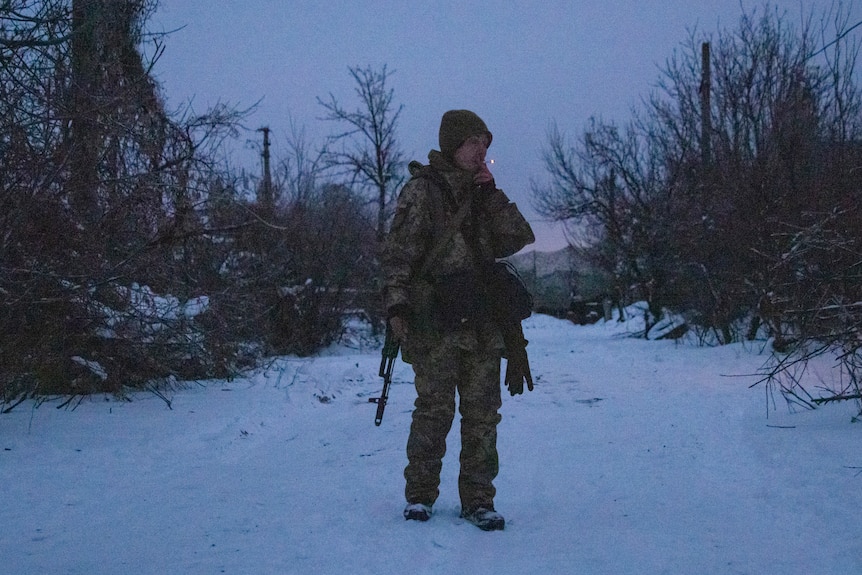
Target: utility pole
{"x": 265, "y": 196}
{"x": 705, "y": 113}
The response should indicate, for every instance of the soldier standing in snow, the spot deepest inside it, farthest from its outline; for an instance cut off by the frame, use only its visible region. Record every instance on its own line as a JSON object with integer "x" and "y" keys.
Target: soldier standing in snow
{"x": 449, "y": 222}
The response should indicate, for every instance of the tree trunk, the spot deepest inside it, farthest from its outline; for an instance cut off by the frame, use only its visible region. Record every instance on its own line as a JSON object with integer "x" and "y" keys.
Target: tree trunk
{"x": 84, "y": 144}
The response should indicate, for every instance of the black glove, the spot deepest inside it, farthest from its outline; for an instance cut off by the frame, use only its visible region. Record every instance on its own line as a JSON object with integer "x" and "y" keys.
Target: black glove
{"x": 517, "y": 363}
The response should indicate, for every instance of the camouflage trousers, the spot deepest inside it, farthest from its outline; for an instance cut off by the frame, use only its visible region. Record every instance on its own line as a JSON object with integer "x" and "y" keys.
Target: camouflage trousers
{"x": 444, "y": 369}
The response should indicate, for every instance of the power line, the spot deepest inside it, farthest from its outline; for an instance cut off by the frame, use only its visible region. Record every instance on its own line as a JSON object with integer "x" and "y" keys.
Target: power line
{"x": 837, "y": 39}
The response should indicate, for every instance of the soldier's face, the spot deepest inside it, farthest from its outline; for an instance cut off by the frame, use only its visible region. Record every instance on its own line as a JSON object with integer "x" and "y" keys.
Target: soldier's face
{"x": 470, "y": 155}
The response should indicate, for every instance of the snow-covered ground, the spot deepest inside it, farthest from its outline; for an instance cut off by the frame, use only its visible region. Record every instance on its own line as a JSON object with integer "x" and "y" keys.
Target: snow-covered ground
{"x": 630, "y": 457}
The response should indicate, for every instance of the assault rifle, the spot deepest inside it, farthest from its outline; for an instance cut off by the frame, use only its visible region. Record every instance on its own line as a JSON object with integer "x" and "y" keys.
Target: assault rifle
{"x": 387, "y": 361}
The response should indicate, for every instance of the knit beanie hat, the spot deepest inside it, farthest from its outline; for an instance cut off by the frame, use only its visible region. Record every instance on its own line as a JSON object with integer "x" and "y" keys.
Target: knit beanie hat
{"x": 458, "y": 125}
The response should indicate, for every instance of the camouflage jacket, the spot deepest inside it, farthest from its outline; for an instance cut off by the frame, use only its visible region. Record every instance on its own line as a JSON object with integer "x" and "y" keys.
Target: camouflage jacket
{"x": 424, "y": 210}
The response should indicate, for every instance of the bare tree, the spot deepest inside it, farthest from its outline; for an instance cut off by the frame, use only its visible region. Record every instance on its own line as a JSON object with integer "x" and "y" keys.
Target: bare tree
{"x": 301, "y": 168}
{"x": 103, "y": 237}
{"x": 612, "y": 187}
{"x": 759, "y": 236}
{"x": 368, "y": 149}
{"x": 701, "y": 230}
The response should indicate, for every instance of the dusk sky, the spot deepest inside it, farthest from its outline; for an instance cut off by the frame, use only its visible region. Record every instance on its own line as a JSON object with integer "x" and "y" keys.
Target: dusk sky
{"x": 520, "y": 65}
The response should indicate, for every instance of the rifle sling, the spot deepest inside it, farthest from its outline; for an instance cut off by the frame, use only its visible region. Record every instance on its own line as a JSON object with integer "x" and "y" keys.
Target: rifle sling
{"x": 449, "y": 232}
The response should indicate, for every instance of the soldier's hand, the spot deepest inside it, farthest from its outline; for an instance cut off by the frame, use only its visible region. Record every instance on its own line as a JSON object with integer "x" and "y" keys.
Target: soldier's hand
{"x": 518, "y": 370}
{"x": 399, "y": 327}
{"x": 514, "y": 377}
{"x": 484, "y": 175}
